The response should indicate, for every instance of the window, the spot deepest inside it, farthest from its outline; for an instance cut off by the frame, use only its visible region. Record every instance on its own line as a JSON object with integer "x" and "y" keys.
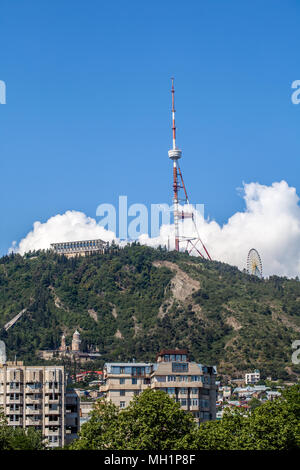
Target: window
{"x": 122, "y": 393}
{"x": 183, "y": 401}
{"x": 194, "y": 391}
{"x": 160, "y": 378}
{"x": 171, "y": 378}
{"x": 204, "y": 403}
{"x": 53, "y": 418}
{"x": 14, "y": 418}
{"x": 196, "y": 378}
{"x": 122, "y": 381}
{"x": 134, "y": 381}
{"x": 14, "y": 396}
{"x": 122, "y": 404}
{"x": 183, "y": 391}
{"x": 138, "y": 371}
{"x": 180, "y": 367}
{"x": 183, "y": 378}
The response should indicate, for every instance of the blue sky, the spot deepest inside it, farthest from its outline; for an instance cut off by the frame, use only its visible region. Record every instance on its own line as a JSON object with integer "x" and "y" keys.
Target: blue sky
{"x": 88, "y": 103}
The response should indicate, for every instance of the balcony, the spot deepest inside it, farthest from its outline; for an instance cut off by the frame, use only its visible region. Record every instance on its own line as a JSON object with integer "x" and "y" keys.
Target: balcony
{"x": 52, "y": 389}
{"x": 52, "y": 432}
{"x": 14, "y": 412}
{"x": 16, "y": 401}
{"x": 33, "y": 422}
{"x": 49, "y": 399}
{"x": 33, "y": 400}
{"x": 127, "y": 387}
{"x": 58, "y": 422}
{"x": 15, "y": 423}
{"x": 48, "y": 411}
{"x": 33, "y": 388}
{"x": 32, "y": 411}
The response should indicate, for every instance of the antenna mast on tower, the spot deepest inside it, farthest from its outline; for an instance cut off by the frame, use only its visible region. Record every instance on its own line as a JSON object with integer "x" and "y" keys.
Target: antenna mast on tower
{"x": 175, "y": 154}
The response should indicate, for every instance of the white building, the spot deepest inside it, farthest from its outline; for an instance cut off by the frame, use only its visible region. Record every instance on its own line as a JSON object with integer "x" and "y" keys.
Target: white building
{"x": 252, "y": 377}
{"x": 36, "y": 396}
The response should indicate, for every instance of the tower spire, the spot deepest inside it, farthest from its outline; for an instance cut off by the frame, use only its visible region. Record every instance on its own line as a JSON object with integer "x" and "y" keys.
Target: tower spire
{"x": 173, "y": 114}
{"x": 175, "y": 154}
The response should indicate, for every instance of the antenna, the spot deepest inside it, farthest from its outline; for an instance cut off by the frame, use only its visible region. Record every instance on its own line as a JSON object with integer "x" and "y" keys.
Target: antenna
{"x": 173, "y": 114}
{"x": 175, "y": 154}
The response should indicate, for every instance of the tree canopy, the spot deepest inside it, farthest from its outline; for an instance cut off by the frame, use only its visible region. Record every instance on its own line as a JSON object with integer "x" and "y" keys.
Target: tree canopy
{"x": 154, "y": 421}
{"x": 18, "y": 438}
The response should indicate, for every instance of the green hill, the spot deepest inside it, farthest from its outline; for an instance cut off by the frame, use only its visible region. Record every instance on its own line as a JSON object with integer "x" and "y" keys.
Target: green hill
{"x": 132, "y": 302}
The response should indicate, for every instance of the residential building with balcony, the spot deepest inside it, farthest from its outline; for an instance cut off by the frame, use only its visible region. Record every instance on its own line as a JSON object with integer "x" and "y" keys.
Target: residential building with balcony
{"x": 36, "y": 396}
{"x": 190, "y": 384}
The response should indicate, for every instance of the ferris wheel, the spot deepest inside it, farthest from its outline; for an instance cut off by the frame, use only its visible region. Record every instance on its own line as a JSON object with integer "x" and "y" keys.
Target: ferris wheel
{"x": 254, "y": 264}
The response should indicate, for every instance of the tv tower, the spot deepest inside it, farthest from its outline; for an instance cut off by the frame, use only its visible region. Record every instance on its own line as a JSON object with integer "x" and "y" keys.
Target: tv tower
{"x": 175, "y": 154}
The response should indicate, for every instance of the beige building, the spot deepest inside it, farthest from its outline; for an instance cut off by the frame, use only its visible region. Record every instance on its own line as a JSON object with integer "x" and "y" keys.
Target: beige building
{"x": 80, "y": 248}
{"x": 191, "y": 384}
{"x": 36, "y": 396}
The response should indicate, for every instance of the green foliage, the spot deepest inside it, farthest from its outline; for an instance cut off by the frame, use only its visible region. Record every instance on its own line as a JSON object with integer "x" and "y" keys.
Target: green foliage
{"x": 124, "y": 306}
{"x": 100, "y": 431}
{"x": 152, "y": 421}
{"x": 19, "y": 438}
{"x": 274, "y": 425}
{"x": 254, "y": 403}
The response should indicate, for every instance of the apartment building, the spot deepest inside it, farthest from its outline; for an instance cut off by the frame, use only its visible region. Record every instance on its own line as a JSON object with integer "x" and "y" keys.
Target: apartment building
{"x": 191, "y": 384}
{"x": 252, "y": 378}
{"x": 36, "y": 396}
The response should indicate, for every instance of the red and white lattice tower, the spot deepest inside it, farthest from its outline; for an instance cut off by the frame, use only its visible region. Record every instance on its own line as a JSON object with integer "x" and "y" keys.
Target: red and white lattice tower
{"x": 175, "y": 154}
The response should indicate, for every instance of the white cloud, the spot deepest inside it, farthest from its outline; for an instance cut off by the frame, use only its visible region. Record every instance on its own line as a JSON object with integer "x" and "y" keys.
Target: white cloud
{"x": 70, "y": 226}
{"x": 270, "y": 223}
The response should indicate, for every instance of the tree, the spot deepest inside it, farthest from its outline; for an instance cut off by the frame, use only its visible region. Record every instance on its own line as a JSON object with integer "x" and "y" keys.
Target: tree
{"x": 152, "y": 421}
{"x": 274, "y": 425}
{"x": 99, "y": 432}
{"x": 254, "y": 403}
{"x": 19, "y": 438}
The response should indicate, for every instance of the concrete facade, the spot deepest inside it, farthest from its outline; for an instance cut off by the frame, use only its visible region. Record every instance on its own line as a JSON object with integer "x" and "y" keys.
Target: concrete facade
{"x": 36, "y": 396}
{"x": 190, "y": 384}
{"x": 80, "y": 248}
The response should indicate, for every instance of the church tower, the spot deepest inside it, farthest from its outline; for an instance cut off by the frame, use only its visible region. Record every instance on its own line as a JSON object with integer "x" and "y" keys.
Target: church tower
{"x": 76, "y": 341}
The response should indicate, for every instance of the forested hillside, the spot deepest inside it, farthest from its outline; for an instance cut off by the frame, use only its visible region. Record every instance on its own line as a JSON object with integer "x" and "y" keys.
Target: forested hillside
{"x": 132, "y": 302}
